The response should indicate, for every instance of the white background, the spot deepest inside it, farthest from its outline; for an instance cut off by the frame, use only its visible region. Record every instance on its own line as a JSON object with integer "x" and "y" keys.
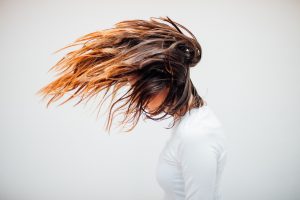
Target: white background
{"x": 249, "y": 75}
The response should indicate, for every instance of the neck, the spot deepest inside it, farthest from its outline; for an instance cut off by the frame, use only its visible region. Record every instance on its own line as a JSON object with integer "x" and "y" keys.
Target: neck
{"x": 180, "y": 112}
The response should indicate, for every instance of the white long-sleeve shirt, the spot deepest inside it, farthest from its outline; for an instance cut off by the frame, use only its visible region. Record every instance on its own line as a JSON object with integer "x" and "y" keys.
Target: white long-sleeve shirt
{"x": 190, "y": 165}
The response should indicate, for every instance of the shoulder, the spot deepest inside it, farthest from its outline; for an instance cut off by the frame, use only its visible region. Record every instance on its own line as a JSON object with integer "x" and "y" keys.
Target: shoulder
{"x": 201, "y": 130}
{"x": 200, "y": 122}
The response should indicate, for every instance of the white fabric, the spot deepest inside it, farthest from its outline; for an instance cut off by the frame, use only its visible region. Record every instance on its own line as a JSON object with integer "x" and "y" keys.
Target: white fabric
{"x": 190, "y": 165}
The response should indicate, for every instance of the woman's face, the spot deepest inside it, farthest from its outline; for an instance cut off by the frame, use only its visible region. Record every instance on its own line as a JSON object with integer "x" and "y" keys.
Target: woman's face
{"x": 157, "y": 100}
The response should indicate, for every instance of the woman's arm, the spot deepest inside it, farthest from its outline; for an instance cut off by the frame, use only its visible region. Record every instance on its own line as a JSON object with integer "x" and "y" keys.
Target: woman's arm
{"x": 198, "y": 156}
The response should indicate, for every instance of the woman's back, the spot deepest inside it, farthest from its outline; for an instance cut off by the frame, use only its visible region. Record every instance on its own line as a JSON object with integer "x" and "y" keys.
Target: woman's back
{"x": 191, "y": 164}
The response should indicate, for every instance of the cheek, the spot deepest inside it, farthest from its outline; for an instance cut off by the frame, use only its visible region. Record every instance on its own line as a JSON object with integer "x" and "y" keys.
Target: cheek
{"x": 155, "y": 102}
{"x": 151, "y": 105}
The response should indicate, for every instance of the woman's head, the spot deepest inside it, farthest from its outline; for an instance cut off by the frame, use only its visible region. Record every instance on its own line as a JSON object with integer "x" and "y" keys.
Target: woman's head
{"x": 154, "y": 56}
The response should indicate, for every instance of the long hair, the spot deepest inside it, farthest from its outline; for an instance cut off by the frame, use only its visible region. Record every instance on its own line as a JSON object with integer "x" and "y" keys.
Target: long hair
{"x": 155, "y": 52}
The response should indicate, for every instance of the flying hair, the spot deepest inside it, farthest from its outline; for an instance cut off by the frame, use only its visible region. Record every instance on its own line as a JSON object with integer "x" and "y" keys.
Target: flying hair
{"x": 155, "y": 52}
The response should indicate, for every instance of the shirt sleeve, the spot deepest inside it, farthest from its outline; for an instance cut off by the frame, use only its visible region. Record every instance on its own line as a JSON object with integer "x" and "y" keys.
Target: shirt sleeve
{"x": 198, "y": 158}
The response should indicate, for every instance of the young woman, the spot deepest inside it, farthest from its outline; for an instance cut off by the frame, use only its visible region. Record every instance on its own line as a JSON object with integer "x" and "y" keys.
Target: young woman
{"x": 153, "y": 57}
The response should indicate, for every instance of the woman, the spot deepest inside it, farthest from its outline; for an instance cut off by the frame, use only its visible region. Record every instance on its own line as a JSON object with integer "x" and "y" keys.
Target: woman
{"x": 154, "y": 58}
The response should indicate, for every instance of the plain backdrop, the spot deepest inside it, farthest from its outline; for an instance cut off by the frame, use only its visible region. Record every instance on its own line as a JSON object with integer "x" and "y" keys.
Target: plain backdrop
{"x": 249, "y": 75}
